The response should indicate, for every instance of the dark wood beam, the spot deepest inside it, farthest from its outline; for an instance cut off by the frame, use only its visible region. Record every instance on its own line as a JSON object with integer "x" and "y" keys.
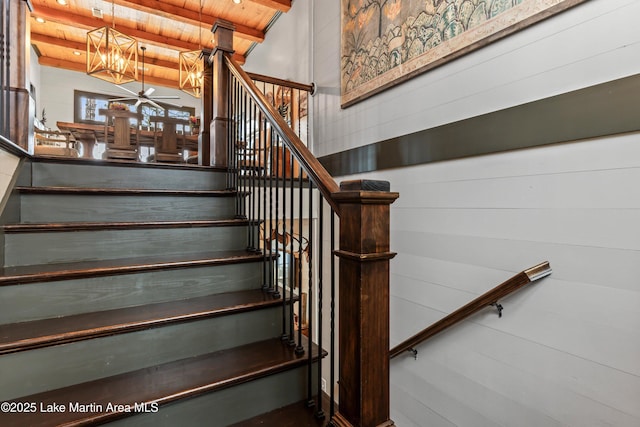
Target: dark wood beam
{"x": 280, "y": 5}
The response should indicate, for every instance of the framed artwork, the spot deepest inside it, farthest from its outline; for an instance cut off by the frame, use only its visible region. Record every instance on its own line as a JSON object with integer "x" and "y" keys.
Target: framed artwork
{"x": 386, "y": 42}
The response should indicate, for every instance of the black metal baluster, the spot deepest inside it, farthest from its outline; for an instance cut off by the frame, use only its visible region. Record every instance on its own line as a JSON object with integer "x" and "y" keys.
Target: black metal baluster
{"x": 332, "y": 331}
{"x": 319, "y": 412}
{"x": 268, "y": 162}
{"x": 310, "y": 310}
{"x": 285, "y": 256}
{"x": 299, "y": 347}
{"x": 274, "y": 173}
{"x": 243, "y": 184}
{"x": 292, "y": 340}
{"x": 247, "y": 167}
{"x": 265, "y": 283}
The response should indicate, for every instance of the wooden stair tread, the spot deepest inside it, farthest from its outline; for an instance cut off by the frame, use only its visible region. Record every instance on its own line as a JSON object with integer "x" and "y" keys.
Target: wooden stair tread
{"x": 161, "y": 384}
{"x": 73, "y": 270}
{"x": 133, "y": 225}
{"x": 39, "y": 333}
{"x": 125, "y": 191}
{"x": 295, "y": 415}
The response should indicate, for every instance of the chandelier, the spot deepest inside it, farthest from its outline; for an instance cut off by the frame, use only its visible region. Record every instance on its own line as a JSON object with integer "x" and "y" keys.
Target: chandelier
{"x": 191, "y": 72}
{"x": 191, "y": 64}
{"x": 111, "y": 55}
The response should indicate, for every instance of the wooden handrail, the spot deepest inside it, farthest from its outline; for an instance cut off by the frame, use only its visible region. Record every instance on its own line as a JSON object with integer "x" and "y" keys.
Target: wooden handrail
{"x": 281, "y": 82}
{"x": 319, "y": 175}
{"x": 488, "y": 298}
{"x": 12, "y": 148}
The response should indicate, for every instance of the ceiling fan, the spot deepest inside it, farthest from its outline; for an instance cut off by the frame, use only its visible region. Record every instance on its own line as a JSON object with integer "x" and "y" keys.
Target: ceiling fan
{"x": 144, "y": 96}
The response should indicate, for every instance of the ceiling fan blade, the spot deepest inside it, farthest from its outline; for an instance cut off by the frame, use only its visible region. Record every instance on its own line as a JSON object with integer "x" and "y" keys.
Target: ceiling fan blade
{"x": 138, "y": 103}
{"x": 128, "y": 98}
{"x": 127, "y": 90}
{"x": 165, "y": 97}
{"x": 149, "y": 91}
{"x": 155, "y": 104}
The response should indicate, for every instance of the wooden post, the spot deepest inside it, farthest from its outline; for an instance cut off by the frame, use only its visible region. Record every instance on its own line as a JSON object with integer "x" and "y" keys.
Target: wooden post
{"x": 223, "y": 40}
{"x": 206, "y": 117}
{"x": 22, "y": 106}
{"x": 364, "y": 304}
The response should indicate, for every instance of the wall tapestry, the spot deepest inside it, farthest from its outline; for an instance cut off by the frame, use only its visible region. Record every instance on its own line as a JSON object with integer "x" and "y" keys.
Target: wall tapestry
{"x": 386, "y": 42}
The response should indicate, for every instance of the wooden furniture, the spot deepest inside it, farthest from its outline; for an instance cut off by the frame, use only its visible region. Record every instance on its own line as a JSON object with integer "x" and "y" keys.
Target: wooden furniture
{"x": 169, "y": 140}
{"x": 96, "y": 131}
{"x": 117, "y": 134}
{"x": 54, "y": 143}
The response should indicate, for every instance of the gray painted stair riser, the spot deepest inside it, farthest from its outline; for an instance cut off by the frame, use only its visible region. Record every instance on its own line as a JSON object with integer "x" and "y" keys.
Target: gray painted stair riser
{"x": 113, "y": 176}
{"x": 53, "y": 247}
{"x": 48, "y": 368}
{"x": 66, "y": 297}
{"x": 47, "y": 208}
{"x": 228, "y": 406}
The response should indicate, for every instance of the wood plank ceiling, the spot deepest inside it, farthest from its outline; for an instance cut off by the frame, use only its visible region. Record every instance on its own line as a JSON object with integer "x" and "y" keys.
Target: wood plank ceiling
{"x": 164, "y": 27}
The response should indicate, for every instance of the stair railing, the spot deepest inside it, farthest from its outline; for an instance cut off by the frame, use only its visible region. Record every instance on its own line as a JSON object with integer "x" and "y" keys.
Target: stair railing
{"x": 297, "y": 211}
{"x": 290, "y": 100}
{"x": 489, "y": 298}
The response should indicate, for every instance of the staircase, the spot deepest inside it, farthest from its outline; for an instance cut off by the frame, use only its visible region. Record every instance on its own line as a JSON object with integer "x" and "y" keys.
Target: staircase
{"x": 128, "y": 297}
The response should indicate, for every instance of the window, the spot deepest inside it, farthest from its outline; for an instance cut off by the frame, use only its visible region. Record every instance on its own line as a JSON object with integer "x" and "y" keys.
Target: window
{"x": 87, "y": 106}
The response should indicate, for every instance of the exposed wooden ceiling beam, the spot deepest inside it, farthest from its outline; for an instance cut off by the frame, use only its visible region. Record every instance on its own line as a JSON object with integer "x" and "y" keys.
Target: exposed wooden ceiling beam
{"x": 69, "y": 44}
{"x": 280, "y": 5}
{"x": 74, "y": 45}
{"x": 192, "y": 17}
{"x": 81, "y": 67}
{"x": 65, "y": 18}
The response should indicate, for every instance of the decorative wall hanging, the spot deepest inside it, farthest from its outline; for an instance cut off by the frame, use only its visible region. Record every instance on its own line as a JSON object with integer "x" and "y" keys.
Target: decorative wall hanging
{"x": 386, "y": 42}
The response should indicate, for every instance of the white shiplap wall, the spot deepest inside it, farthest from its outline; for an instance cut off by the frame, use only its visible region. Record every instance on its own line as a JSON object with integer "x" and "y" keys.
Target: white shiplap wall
{"x": 567, "y": 350}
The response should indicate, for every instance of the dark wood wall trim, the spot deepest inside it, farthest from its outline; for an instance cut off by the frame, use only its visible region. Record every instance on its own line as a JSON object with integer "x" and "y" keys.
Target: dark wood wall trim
{"x": 605, "y": 109}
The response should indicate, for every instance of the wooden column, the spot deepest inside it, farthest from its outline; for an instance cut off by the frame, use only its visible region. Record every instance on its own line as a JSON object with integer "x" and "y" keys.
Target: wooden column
{"x": 204, "y": 137}
{"x": 223, "y": 40}
{"x": 364, "y": 304}
{"x": 21, "y": 105}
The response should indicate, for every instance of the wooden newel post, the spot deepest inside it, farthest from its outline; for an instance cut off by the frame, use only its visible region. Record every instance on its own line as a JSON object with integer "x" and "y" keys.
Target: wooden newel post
{"x": 364, "y": 304}
{"x": 21, "y": 105}
{"x": 223, "y": 40}
{"x": 204, "y": 135}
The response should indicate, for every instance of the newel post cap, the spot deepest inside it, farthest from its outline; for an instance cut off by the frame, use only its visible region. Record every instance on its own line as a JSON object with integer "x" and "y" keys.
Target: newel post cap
{"x": 365, "y": 185}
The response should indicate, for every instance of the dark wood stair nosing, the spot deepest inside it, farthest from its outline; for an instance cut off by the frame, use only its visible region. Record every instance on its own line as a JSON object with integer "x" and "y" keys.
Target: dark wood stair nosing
{"x": 131, "y": 225}
{"x": 81, "y": 270}
{"x": 181, "y": 379}
{"x": 127, "y": 163}
{"x": 125, "y": 191}
{"x": 138, "y": 318}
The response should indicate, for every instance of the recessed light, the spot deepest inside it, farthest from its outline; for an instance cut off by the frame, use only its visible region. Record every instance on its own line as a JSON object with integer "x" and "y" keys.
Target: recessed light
{"x": 40, "y": 20}
{"x": 62, "y": 2}
{"x": 77, "y": 53}
{"x": 237, "y": 1}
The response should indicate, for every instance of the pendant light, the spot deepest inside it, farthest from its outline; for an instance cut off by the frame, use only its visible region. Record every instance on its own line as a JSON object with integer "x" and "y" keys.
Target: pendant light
{"x": 192, "y": 66}
{"x": 112, "y": 55}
